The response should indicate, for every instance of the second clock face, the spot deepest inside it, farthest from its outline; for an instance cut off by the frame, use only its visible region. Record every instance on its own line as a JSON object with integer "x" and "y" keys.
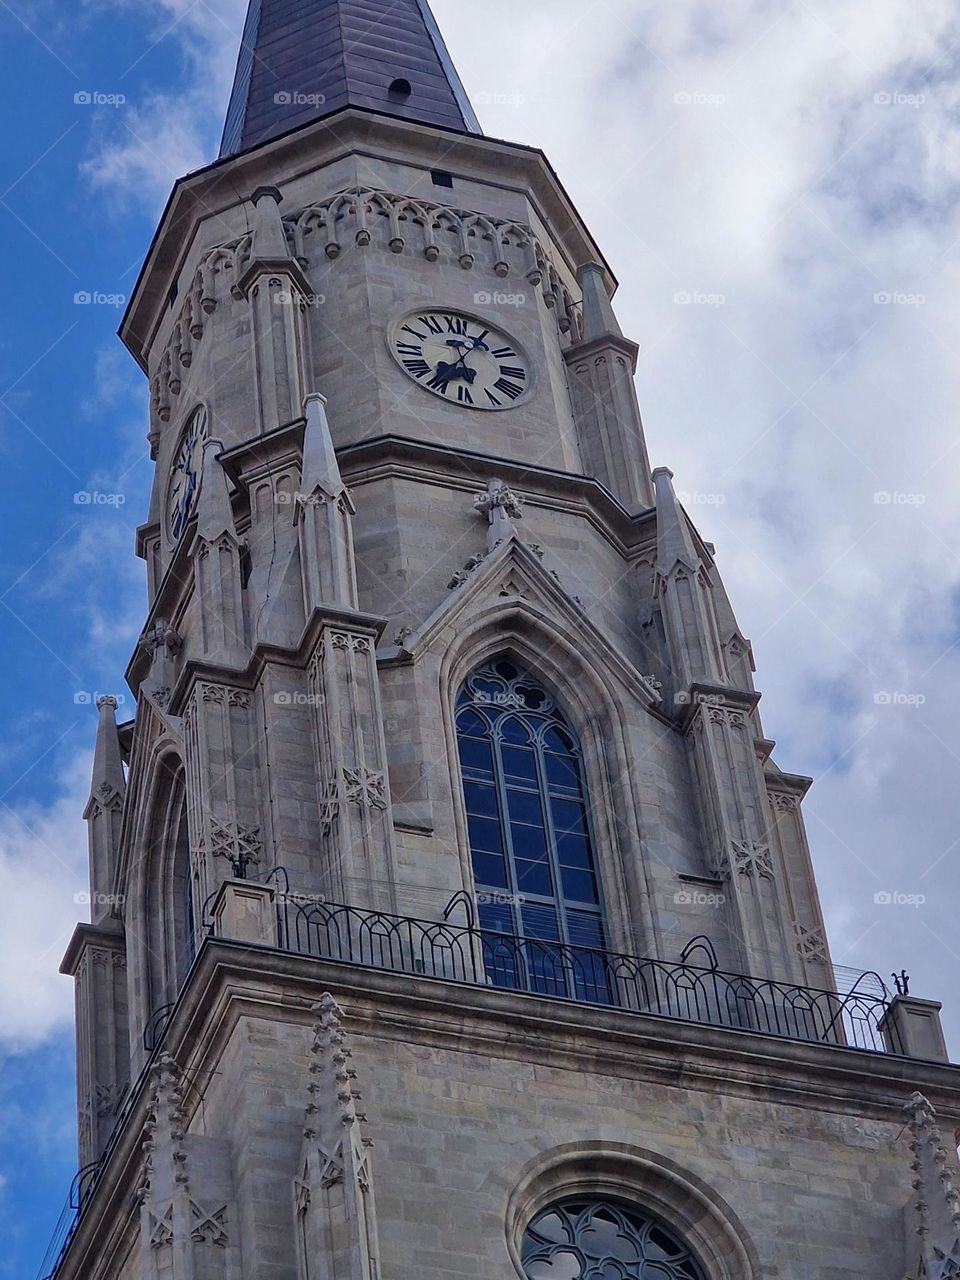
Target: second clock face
{"x": 185, "y": 479}
{"x": 462, "y": 359}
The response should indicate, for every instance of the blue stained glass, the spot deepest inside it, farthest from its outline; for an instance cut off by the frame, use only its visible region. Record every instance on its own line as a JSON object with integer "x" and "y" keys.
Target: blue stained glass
{"x": 481, "y": 801}
{"x": 520, "y": 763}
{"x": 529, "y": 835}
{"x": 476, "y": 757}
{"x": 485, "y": 835}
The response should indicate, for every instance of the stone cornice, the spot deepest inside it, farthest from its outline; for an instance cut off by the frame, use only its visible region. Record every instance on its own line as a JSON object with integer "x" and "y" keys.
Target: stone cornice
{"x": 108, "y": 935}
{"x": 389, "y": 455}
{"x": 212, "y": 192}
{"x": 230, "y": 981}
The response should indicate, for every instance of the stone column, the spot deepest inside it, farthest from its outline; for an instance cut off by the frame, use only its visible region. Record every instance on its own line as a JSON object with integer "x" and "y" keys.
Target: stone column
{"x": 223, "y": 785}
{"x": 97, "y": 961}
{"x": 912, "y": 1027}
{"x": 104, "y": 812}
{"x": 279, "y": 296}
{"x": 324, "y": 515}
{"x": 333, "y": 1191}
{"x": 735, "y": 816}
{"x": 218, "y": 597}
{"x": 605, "y": 405}
{"x": 355, "y": 811}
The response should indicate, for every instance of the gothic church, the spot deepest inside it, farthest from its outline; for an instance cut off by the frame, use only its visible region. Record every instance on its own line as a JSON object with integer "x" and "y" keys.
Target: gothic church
{"x": 452, "y": 919}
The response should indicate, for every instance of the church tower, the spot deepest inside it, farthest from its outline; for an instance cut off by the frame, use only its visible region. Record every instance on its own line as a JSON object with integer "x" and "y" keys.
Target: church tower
{"x": 452, "y": 917}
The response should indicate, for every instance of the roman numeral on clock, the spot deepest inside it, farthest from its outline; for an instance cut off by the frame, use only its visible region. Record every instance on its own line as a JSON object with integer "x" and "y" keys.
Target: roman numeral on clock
{"x": 419, "y": 368}
{"x": 508, "y": 388}
{"x": 513, "y": 371}
{"x": 463, "y": 395}
{"x": 505, "y": 353}
{"x": 456, "y": 324}
{"x": 432, "y": 323}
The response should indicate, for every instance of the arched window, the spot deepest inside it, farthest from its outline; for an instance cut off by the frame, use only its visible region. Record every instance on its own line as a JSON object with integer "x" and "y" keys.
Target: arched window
{"x": 591, "y": 1239}
{"x": 533, "y": 857}
{"x": 171, "y": 939}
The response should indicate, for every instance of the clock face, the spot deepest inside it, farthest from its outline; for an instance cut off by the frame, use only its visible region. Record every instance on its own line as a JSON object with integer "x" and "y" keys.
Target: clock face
{"x": 185, "y": 477}
{"x": 461, "y": 359}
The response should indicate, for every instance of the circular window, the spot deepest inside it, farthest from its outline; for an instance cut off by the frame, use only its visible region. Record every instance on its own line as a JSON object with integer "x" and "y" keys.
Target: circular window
{"x": 603, "y": 1240}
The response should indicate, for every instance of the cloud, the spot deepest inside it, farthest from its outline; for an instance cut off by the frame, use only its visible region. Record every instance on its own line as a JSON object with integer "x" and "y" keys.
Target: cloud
{"x": 802, "y": 162}
{"x": 43, "y": 867}
{"x": 167, "y": 133}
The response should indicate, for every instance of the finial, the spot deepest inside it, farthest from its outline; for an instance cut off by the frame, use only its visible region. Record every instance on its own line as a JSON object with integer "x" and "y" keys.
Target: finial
{"x": 501, "y": 506}
{"x": 214, "y": 509}
{"x": 321, "y": 471}
{"x": 599, "y": 319}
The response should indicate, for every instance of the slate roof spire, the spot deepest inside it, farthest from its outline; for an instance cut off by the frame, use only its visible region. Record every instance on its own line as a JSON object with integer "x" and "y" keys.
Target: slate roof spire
{"x": 301, "y": 60}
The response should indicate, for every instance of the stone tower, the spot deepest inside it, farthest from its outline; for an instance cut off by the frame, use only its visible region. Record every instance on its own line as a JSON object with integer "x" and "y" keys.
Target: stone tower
{"x": 451, "y": 916}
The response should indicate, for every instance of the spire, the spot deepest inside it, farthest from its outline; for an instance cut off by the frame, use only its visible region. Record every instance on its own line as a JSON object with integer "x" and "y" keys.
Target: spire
{"x": 104, "y": 810}
{"x": 299, "y": 63}
{"x": 599, "y": 318}
{"x": 107, "y": 783}
{"x": 675, "y": 542}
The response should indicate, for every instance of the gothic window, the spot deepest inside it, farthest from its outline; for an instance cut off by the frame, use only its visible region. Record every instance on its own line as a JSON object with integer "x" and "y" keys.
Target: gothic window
{"x": 533, "y": 857}
{"x": 170, "y": 919}
{"x": 593, "y": 1239}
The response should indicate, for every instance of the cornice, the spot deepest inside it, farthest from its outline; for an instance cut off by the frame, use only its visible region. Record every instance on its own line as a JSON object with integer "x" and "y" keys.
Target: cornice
{"x": 230, "y": 981}
{"x": 211, "y": 192}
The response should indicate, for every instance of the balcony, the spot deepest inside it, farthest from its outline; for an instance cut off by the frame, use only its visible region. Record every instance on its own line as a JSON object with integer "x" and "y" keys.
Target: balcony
{"x": 685, "y": 991}
{"x": 693, "y": 989}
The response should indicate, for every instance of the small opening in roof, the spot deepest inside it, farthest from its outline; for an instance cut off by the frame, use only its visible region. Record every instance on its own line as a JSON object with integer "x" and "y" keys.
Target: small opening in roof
{"x": 401, "y": 88}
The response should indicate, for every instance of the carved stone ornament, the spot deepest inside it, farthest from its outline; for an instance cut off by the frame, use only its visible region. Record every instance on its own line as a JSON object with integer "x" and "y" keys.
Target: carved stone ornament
{"x": 344, "y": 642}
{"x": 240, "y": 845}
{"x": 811, "y": 943}
{"x": 365, "y": 787}
{"x": 750, "y": 858}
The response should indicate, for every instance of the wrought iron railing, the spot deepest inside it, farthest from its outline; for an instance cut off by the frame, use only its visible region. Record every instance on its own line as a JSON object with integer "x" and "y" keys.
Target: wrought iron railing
{"x": 679, "y": 990}
{"x": 703, "y": 993}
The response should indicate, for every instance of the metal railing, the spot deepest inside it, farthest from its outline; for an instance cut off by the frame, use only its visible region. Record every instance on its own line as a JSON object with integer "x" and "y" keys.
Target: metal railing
{"x": 678, "y": 990}
{"x": 702, "y": 993}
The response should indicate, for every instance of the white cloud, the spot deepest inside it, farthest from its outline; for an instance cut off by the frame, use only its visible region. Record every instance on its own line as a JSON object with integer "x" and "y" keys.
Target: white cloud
{"x": 161, "y": 136}
{"x": 803, "y": 177}
{"x": 43, "y": 867}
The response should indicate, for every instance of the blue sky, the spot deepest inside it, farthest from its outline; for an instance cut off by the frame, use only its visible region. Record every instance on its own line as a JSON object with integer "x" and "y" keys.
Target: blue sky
{"x": 775, "y": 186}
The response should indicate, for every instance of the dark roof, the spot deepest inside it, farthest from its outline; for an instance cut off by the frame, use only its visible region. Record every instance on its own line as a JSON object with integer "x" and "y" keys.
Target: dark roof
{"x": 301, "y": 60}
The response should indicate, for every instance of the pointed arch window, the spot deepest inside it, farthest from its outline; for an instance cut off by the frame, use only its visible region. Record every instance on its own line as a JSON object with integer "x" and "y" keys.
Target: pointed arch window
{"x": 529, "y": 825}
